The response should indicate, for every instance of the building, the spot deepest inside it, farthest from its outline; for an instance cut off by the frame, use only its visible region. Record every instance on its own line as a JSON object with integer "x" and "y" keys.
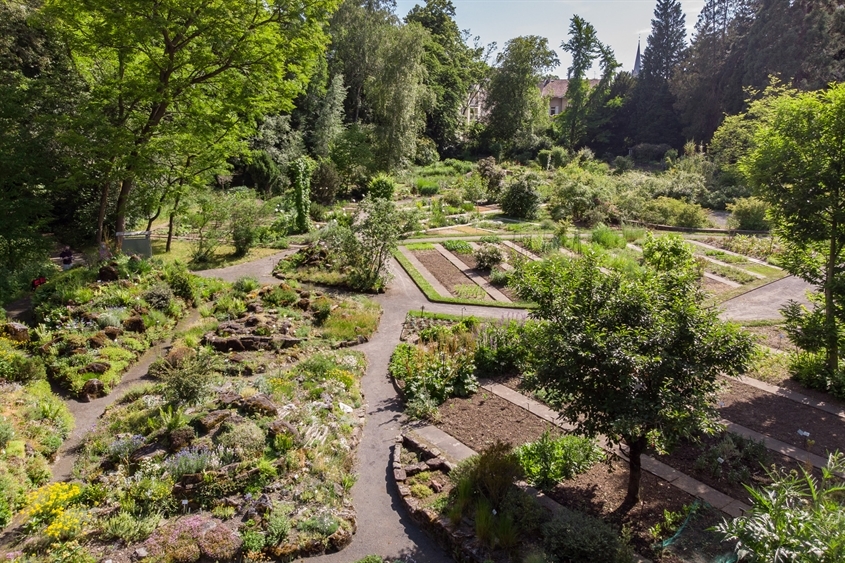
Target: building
{"x": 555, "y": 92}
{"x": 637, "y": 63}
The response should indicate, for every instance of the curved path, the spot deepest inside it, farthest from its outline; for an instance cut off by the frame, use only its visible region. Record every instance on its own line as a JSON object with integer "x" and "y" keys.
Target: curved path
{"x": 765, "y": 302}
{"x": 383, "y": 526}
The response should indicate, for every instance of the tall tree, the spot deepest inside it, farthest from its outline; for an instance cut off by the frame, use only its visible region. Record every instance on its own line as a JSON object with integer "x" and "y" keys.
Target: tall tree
{"x": 633, "y": 358}
{"x": 452, "y": 68}
{"x": 585, "y": 48}
{"x": 655, "y": 119}
{"x": 515, "y": 107}
{"x": 145, "y": 63}
{"x": 797, "y": 164}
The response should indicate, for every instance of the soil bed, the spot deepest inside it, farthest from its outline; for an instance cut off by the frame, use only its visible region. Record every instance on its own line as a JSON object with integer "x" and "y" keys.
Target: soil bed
{"x": 781, "y": 418}
{"x": 771, "y": 336}
{"x": 445, "y": 272}
{"x": 483, "y": 419}
{"x": 714, "y": 287}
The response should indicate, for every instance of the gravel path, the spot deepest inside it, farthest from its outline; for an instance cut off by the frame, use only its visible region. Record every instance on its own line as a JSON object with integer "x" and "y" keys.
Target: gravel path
{"x": 766, "y": 301}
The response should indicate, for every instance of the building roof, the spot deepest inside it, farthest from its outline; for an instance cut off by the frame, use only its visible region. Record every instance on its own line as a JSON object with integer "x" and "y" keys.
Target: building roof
{"x": 637, "y": 63}
{"x": 557, "y": 88}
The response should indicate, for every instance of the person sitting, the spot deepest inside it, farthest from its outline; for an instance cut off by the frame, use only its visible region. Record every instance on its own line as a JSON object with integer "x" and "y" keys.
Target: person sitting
{"x": 67, "y": 258}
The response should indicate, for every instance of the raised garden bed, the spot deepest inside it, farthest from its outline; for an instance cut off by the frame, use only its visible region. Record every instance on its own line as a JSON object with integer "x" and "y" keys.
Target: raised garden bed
{"x": 447, "y": 274}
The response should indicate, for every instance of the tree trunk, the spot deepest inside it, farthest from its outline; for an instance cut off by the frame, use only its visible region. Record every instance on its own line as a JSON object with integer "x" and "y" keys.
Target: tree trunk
{"x": 101, "y": 214}
{"x": 636, "y": 448}
{"x": 171, "y": 221}
{"x": 829, "y": 307}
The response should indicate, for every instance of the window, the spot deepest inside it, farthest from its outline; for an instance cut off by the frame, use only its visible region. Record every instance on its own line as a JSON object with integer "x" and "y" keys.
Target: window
{"x": 553, "y": 110}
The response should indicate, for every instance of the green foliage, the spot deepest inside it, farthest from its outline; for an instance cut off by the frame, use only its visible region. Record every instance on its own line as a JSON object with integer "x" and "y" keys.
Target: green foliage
{"x": 607, "y": 237}
{"x": 733, "y": 458}
{"x": 246, "y": 285}
{"x": 278, "y": 525}
{"x": 182, "y": 283}
{"x": 488, "y": 256}
{"x": 444, "y": 371}
{"x": 795, "y": 518}
{"x": 749, "y": 214}
{"x": 246, "y": 439}
{"x": 300, "y": 171}
{"x": 457, "y": 246}
{"x": 674, "y": 212}
{"x": 281, "y": 295}
{"x": 191, "y": 380}
{"x": 130, "y": 528}
{"x": 572, "y": 537}
{"x": 493, "y": 177}
{"x": 521, "y": 198}
{"x": 638, "y": 332}
{"x": 159, "y": 297}
{"x": 548, "y": 461}
{"x": 500, "y": 348}
{"x": 382, "y": 186}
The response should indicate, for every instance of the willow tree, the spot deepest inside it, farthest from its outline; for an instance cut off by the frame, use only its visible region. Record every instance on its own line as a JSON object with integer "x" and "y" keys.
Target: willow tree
{"x": 148, "y": 63}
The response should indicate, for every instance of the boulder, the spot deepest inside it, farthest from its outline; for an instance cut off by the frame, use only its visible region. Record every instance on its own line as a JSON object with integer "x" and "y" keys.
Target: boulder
{"x": 96, "y": 367}
{"x": 280, "y": 427}
{"x": 92, "y": 389}
{"x": 177, "y": 355}
{"x": 254, "y": 307}
{"x": 108, "y": 273}
{"x": 282, "y": 342}
{"x": 113, "y": 332}
{"x": 17, "y": 332}
{"x": 135, "y": 324}
{"x": 228, "y": 399}
{"x": 214, "y": 419}
{"x": 147, "y": 452}
{"x": 304, "y": 304}
{"x": 260, "y": 404}
{"x": 223, "y": 344}
{"x": 181, "y": 438}
{"x": 97, "y": 340}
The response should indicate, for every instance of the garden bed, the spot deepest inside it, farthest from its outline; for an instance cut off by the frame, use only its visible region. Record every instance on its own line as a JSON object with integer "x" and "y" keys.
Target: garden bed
{"x": 451, "y": 277}
{"x": 471, "y": 263}
{"x": 781, "y": 418}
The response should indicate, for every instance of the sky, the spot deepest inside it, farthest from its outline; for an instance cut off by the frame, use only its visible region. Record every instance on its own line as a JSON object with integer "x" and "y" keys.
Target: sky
{"x": 618, "y": 23}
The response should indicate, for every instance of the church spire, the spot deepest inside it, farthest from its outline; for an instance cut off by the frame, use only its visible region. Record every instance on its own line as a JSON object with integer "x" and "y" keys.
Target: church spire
{"x": 637, "y": 65}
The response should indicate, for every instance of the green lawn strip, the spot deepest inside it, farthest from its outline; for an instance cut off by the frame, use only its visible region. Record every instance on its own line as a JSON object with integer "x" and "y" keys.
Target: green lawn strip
{"x": 432, "y": 295}
{"x": 420, "y": 246}
{"x": 439, "y": 316}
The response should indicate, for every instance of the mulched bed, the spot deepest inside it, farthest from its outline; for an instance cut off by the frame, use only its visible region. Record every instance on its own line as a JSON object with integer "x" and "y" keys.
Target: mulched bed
{"x": 445, "y": 272}
{"x": 472, "y": 263}
{"x": 781, "y": 418}
{"x": 482, "y": 419}
{"x": 713, "y": 287}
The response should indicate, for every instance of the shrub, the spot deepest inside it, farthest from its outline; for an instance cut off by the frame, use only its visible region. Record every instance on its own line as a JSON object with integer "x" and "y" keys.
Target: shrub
{"x": 245, "y": 439}
{"x": 488, "y": 256}
{"x": 438, "y": 373}
{"x": 426, "y": 152}
{"x": 493, "y": 176}
{"x": 189, "y": 461}
{"x": 382, "y": 186}
{"x": 559, "y": 157}
{"x": 322, "y": 308}
{"x": 244, "y": 235}
{"x": 549, "y": 461}
{"x": 325, "y": 182}
{"x": 674, "y": 212}
{"x": 191, "y": 381}
{"x": 280, "y": 296}
{"x": 229, "y": 307}
{"x": 246, "y": 285}
{"x": 622, "y": 164}
{"x": 521, "y": 198}
{"x": 733, "y": 457}
{"x": 573, "y": 537}
{"x": 278, "y": 525}
{"x": 491, "y": 474}
{"x": 748, "y": 214}
{"x": 130, "y": 528}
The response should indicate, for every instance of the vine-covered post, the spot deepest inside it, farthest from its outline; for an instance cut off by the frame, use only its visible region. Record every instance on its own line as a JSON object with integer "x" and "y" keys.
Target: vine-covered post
{"x": 300, "y": 171}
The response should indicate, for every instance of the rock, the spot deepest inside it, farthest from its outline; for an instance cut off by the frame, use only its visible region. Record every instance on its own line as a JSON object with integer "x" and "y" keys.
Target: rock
{"x": 404, "y": 490}
{"x": 304, "y": 304}
{"x": 435, "y": 486}
{"x": 214, "y": 419}
{"x": 435, "y": 463}
{"x": 17, "y": 332}
{"x": 223, "y": 344}
{"x": 229, "y": 328}
{"x": 254, "y": 307}
{"x": 113, "y": 332}
{"x": 147, "y": 452}
{"x": 96, "y": 367}
{"x": 97, "y": 340}
{"x": 280, "y": 427}
{"x": 140, "y": 553}
{"x": 252, "y": 320}
{"x": 283, "y": 342}
{"x": 344, "y": 407}
{"x": 399, "y": 475}
{"x": 181, "y": 438}
{"x": 134, "y": 324}
{"x": 108, "y": 273}
{"x": 413, "y": 339}
{"x": 177, "y": 356}
{"x": 92, "y": 389}
{"x": 263, "y": 505}
{"x": 254, "y": 343}
{"x": 228, "y": 399}
{"x": 362, "y": 339}
{"x": 260, "y": 404}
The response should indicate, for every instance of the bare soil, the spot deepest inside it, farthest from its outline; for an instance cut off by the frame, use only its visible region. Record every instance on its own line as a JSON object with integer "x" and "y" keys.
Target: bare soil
{"x": 445, "y": 272}
{"x": 781, "y": 418}
{"x": 771, "y": 336}
{"x": 472, "y": 264}
{"x": 713, "y": 287}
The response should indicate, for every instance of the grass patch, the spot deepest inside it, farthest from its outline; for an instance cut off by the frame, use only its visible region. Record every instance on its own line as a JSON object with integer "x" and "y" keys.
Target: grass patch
{"x": 432, "y": 295}
{"x": 353, "y": 318}
{"x": 440, "y": 316}
{"x": 180, "y": 251}
{"x": 457, "y": 246}
{"x": 732, "y": 274}
{"x": 470, "y": 291}
{"x": 771, "y": 367}
{"x": 420, "y": 246}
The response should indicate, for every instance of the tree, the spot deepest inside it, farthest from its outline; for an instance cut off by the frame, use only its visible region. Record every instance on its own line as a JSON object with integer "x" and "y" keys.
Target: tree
{"x": 585, "y": 48}
{"x": 148, "y": 65}
{"x": 516, "y": 109}
{"x": 452, "y": 68}
{"x": 655, "y": 118}
{"x": 635, "y": 358}
{"x": 797, "y": 164}
{"x": 329, "y": 123}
